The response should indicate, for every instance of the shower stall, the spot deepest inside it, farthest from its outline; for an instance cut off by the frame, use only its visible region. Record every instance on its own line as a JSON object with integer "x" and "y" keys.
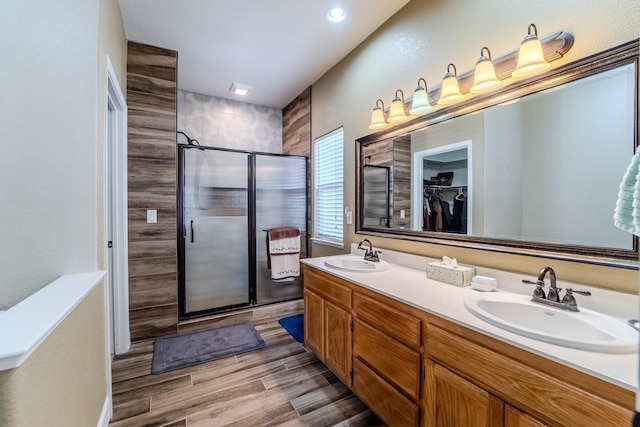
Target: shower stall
{"x": 227, "y": 200}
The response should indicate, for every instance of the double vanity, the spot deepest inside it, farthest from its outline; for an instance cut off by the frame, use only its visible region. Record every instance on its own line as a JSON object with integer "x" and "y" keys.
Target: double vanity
{"x": 423, "y": 352}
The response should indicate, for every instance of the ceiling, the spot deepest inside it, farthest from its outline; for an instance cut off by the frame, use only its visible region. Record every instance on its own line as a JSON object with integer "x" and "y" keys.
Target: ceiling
{"x": 280, "y": 47}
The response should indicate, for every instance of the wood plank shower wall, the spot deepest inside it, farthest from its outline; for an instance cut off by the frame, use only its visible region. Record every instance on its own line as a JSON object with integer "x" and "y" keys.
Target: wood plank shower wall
{"x": 296, "y": 125}
{"x": 153, "y": 275}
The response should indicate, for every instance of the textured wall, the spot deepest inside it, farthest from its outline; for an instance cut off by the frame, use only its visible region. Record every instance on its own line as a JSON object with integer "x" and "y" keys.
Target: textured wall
{"x": 223, "y": 123}
{"x": 296, "y": 125}
{"x": 63, "y": 383}
{"x": 153, "y": 277}
{"x": 48, "y": 158}
{"x": 419, "y": 41}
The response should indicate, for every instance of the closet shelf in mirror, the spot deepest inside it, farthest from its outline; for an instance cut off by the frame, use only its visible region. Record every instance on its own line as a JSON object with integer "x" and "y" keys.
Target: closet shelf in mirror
{"x": 444, "y": 187}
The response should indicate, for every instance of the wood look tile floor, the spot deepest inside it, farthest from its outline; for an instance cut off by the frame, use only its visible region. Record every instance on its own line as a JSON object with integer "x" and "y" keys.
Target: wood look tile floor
{"x": 281, "y": 384}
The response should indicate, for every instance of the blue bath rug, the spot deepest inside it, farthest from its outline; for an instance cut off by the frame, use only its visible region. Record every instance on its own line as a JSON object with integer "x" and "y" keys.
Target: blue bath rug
{"x": 294, "y": 325}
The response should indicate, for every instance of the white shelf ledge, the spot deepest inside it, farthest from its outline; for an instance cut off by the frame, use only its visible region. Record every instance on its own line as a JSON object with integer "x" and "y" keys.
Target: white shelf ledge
{"x": 27, "y": 324}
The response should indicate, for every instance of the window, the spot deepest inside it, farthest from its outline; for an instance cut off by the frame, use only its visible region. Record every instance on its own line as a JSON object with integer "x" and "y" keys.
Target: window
{"x": 328, "y": 187}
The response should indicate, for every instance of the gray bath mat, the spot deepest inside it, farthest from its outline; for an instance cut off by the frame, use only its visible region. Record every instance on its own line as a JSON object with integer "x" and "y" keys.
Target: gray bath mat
{"x": 199, "y": 347}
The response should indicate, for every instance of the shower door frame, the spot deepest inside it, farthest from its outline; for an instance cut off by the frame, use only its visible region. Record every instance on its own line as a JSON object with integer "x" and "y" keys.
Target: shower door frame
{"x": 251, "y": 235}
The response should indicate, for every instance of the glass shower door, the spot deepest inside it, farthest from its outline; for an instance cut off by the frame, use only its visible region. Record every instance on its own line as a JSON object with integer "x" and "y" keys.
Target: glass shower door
{"x": 215, "y": 229}
{"x": 281, "y": 201}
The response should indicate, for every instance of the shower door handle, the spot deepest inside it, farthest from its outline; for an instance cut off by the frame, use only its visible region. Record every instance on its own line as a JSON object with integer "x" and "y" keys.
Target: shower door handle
{"x": 191, "y": 231}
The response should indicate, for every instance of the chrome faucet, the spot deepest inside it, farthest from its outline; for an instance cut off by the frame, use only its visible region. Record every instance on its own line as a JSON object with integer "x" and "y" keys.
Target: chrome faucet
{"x": 369, "y": 254}
{"x": 553, "y": 297}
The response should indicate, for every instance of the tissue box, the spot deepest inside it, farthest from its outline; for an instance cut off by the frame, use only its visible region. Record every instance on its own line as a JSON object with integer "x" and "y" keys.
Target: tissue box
{"x": 458, "y": 276}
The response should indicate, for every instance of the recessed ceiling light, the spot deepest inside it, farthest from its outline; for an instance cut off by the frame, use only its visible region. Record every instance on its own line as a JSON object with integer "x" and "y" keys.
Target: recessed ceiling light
{"x": 336, "y": 14}
{"x": 239, "y": 89}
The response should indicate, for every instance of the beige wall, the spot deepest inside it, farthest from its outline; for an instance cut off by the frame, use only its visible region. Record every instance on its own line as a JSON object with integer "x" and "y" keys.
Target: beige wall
{"x": 419, "y": 41}
{"x": 63, "y": 382}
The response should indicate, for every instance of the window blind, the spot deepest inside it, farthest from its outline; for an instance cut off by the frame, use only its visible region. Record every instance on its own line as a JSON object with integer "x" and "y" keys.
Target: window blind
{"x": 328, "y": 186}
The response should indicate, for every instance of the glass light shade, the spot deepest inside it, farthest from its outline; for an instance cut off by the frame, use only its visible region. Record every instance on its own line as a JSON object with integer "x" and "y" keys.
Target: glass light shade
{"x": 396, "y": 111}
{"x": 530, "y": 58}
{"x": 420, "y": 102}
{"x": 484, "y": 78}
{"x": 450, "y": 91}
{"x": 377, "y": 119}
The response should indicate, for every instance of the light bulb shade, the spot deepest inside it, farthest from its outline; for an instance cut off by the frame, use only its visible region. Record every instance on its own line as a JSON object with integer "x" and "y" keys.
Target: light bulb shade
{"x": 396, "y": 111}
{"x": 377, "y": 119}
{"x": 450, "y": 91}
{"x": 484, "y": 78}
{"x": 530, "y": 57}
{"x": 420, "y": 102}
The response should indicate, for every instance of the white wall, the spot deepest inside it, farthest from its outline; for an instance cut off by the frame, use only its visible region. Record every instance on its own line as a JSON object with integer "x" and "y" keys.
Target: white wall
{"x": 590, "y": 151}
{"x": 503, "y": 165}
{"x": 48, "y": 155}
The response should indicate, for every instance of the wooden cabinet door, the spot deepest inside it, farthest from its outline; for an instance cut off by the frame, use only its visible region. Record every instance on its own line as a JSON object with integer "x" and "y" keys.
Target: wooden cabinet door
{"x": 313, "y": 323}
{"x": 450, "y": 400}
{"x": 337, "y": 341}
{"x": 515, "y": 418}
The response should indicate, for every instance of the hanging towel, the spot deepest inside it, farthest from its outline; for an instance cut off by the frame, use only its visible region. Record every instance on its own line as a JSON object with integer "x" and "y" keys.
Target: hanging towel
{"x": 283, "y": 252}
{"x": 627, "y": 213}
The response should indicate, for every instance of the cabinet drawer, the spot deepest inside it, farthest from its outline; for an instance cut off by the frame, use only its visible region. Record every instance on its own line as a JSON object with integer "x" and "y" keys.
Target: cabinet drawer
{"x": 395, "y": 362}
{"x": 329, "y": 290}
{"x": 388, "y": 403}
{"x": 547, "y": 398}
{"x": 401, "y": 326}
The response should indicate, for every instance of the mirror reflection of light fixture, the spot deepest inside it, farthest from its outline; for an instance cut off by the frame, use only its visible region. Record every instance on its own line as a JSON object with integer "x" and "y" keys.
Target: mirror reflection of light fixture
{"x": 450, "y": 91}
{"x": 396, "y": 111}
{"x": 530, "y": 56}
{"x": 377, "y": 116}
{"x": 484, "y": 78}
{"x": 420, "y": 101}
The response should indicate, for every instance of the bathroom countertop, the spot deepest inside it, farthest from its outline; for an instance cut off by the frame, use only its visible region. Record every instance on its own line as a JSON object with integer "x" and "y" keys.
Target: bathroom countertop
{"x": 410, "y": 285}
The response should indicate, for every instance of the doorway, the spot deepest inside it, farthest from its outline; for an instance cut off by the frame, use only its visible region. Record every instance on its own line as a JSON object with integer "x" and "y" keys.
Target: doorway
{"x": 454, "y": 158}
{"x": 116, "y": 216}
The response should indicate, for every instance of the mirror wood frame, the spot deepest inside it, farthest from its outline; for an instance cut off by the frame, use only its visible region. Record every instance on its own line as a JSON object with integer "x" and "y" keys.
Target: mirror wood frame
{"x": 623, "y": 54}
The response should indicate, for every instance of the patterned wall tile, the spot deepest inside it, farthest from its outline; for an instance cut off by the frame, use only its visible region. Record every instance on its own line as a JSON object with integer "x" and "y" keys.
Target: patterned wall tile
{"x": 224, "y": 123}
{"x": 193, "y": 115}
{"x": 210, "y": 122}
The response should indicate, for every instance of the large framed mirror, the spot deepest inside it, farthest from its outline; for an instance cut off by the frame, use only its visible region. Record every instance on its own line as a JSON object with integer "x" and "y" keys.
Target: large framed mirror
{"x": 533, "y": 168}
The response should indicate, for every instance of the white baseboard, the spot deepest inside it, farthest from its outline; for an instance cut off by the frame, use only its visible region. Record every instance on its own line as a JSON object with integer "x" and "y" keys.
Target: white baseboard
{"x": 105, "y": 415}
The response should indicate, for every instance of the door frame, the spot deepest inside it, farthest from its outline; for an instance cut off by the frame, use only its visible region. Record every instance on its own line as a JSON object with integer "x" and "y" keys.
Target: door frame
{"x": 116, "y": 212}
{"x": 418, "y": 180}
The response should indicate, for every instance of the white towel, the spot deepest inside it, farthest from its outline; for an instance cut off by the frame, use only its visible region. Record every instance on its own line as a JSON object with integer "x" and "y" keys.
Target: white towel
{"x": 284, "y": 252}
{"x": 627, "y": 213}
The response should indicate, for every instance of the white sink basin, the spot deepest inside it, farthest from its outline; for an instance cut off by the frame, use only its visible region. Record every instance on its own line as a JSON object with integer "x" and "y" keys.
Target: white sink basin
{"x": 355, "y": 264}
{"x": 585, "y": 330}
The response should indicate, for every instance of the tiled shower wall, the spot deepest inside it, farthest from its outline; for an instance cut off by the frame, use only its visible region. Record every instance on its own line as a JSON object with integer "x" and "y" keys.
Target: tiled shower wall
{"x": 222, "y": 123}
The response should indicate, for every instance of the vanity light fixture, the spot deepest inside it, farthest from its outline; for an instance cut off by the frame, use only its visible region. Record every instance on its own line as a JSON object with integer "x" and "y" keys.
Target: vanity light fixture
{"x": 530, "y": 56}
{"x": 396, "y": 111}
{"x": 377, "y": 116}
{"x": 420, "y": 101}
{"x": 450, "y": 91}
{"x": 484, "y": 77}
